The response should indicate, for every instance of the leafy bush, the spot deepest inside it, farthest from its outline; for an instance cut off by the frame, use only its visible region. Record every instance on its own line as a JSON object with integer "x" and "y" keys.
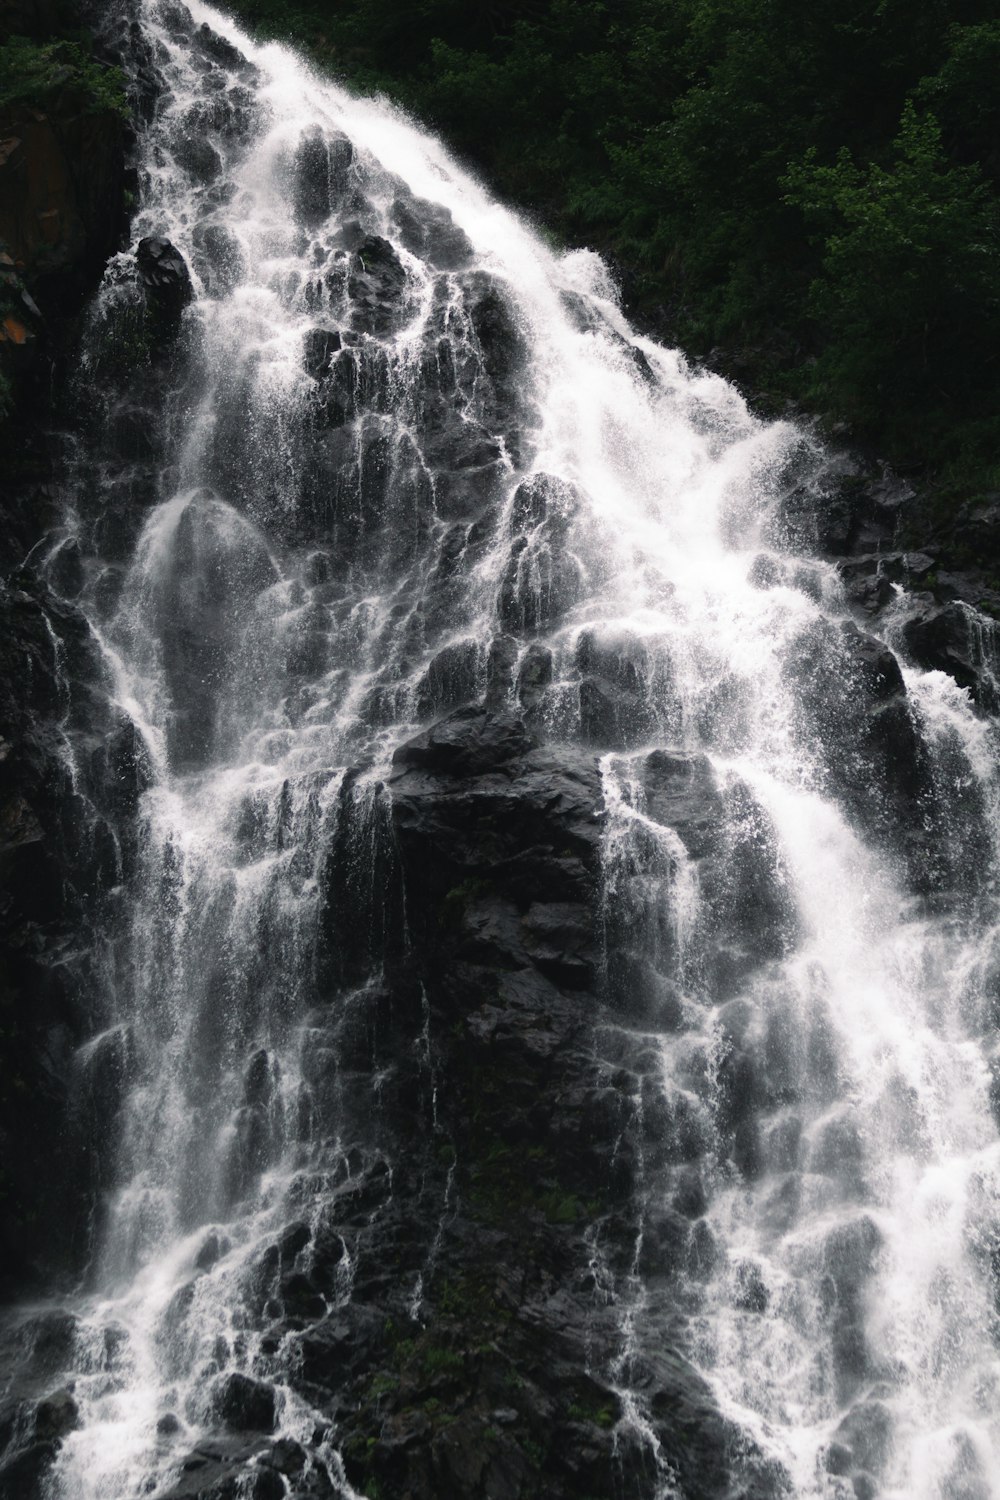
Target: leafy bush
{"x": 31, "y": 73}
{"x": 909, "y": 286}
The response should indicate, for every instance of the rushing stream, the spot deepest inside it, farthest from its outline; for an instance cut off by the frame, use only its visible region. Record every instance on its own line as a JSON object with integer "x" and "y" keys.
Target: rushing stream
{"x": 411, "y": 455}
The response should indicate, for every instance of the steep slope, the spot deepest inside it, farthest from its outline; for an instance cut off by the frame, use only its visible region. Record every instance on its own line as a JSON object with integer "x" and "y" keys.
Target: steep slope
{"x": 528, "y": 888}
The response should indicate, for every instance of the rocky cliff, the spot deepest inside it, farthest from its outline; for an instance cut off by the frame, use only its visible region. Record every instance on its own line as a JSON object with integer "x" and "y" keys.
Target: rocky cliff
{"x": 62, "y": 213}
{"x": 436, "y": 1224}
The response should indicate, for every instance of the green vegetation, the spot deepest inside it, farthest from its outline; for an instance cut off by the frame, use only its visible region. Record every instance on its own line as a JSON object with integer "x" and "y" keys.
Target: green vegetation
{"x": 805, "y": 195}
{"x": 30, "y": 73}
{"x": 602, "y": 1416}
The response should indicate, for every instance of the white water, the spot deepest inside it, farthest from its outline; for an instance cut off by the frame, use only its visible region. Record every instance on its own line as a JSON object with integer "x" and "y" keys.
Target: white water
{"x": 876, "y": 1014}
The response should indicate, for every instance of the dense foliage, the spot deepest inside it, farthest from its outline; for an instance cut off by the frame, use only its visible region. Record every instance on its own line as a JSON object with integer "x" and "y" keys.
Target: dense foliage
{"x": 31, "y": 73}
{"x": 806, "y": 194}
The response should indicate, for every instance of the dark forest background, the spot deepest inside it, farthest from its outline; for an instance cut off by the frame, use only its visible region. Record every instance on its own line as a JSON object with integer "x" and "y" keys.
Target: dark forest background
{"x": 804, "y": 195}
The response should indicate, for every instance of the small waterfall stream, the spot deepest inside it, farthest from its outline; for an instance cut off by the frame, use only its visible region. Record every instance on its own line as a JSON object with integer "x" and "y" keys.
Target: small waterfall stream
{"x": 408, "y": 456}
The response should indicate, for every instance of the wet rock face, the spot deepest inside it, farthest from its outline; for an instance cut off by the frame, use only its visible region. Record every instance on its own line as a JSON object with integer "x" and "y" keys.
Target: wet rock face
{"x": 66, "y": 837}
{"x": 428, "y": 230}
{"x": 954, "y": 638}
{"x": 852, "y": 692}
{"x": 321, "y": 176}
{"x": 934, "y": 608}
{"x": 459, "y": 1363}
{"x": 884, "y": 541}
{"x": 245, "y": 1405}
{"x": 164, "y": 276}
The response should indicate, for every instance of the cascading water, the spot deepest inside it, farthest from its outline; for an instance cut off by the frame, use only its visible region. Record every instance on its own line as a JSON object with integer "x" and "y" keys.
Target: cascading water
{"x": 412, "y": 458}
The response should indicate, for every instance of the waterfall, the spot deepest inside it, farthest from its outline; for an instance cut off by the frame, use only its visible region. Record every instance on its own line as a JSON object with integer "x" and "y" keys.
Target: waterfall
{"x": 394, "y": 456}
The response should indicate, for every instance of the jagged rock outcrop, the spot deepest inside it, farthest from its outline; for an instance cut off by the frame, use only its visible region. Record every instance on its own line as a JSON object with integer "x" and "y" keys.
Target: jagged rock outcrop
{"x": 886, "y": 539}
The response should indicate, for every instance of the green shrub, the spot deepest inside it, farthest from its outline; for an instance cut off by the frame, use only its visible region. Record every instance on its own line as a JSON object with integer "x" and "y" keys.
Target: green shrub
{"x": 30, "y": 73}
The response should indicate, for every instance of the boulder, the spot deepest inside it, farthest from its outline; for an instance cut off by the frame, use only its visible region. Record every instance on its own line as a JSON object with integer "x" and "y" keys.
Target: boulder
{"x": 56, "y": 1415}
{"x": 429, "y": 231}
{"x": 953, "y": 638}
{"x": 450, "y": 680}
{"x": 166, "y": 281}
{"x": 377, "y": 286}
{"x": 245, "y": 1404}
{"x": 221, "y": 51}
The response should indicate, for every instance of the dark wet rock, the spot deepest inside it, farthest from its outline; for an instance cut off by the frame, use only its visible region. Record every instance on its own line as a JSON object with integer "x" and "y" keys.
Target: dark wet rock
{"x": 837, "y": 1148}
{"x": 501, "y": 340}
{"x": 220, "y": 262}
{"x": 534, "y": 674}
{"x": 542, "y": 579}
{"x": 849, "y": 1257}
{"x": 227, "y": 1468}
{"x": 106, "y": 1070}
{"x": 681, "y": 793}
{"x": 353, "y": 380}
{"x": 23, "y": 1476}
{"x": 197, "y": 156}
{"x": 165, "y": 278}
{"x": 301, "y": 1298}
{"x": 495, "y": 843}
{"x": 500, "y": 664}
{"x": 287, "y": 1457}
{"x": 866, "y": 1432}
{"x": 745, "y": 919}
{"x": 611, "y": 718}
{"x": 42, "y": 1345}
{"x": 168, "y": 1425}
{"x": 504, "y": 351}
{"x": 838, "y": 1459}
{"x": 750, "y": 1292}
{"x": 55, "y": 1416}
{"x": 887, "y": 542}
{"x": 232, "y": 117}
{"x": 213, "y": 1248}
{"x": 868, "y": 583}
{"x": 65, "y": 569}
{"x": 376, "y": 286}
{"x": 261, "y": 1078}
{"x": 451, "y": 679}
{"x": 852, "y": 695}
{"x": 321, "y": 175}
{"x": 321, "y": 345}
{"x": 221, "y": 51}
{"x": 62, "y": 844}
{"x": 854, "y": 512}
{"x": 560, "y": 938}
{"x": 245, "y": 1404}
{"x": 293, "y": 1239}
{"x": 953, "y": 638}
{"x": 429, "y": 231}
